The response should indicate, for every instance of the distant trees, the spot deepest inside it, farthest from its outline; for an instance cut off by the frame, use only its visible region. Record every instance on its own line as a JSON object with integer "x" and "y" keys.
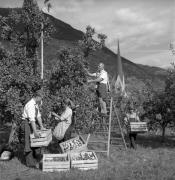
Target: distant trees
{"x": 137, "y": 93}
{"x": 160, "y": 108}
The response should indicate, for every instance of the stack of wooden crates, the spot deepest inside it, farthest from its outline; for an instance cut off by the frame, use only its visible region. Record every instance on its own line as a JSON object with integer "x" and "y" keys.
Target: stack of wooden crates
{"x": 75, "y": 155}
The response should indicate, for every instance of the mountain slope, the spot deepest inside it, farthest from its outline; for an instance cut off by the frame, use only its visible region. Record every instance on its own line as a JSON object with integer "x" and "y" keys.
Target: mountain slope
{"x": 66, "y": 36}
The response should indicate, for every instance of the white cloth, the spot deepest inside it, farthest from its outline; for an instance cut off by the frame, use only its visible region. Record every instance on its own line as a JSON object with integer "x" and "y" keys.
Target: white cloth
{"x": 31, "y": 111}
{"x": 104, "y": 76}
{"x": 62, "y": 127}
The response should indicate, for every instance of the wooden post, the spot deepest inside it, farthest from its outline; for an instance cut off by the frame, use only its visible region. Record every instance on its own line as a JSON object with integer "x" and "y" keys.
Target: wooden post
{"x": 42, "y": 62}
{"x": 87, "y": 140}
{"x": 109, "y": 133}
{"x": 12, "y": 132}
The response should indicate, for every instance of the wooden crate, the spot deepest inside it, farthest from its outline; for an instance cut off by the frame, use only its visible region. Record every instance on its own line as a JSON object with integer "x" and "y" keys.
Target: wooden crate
{"x": 84, "y": 160}
{"x": 76, "y": 144}
{"x": 55, "y": 162}
{"x": 44, "y": 139}
{"x": 139, "y": 127}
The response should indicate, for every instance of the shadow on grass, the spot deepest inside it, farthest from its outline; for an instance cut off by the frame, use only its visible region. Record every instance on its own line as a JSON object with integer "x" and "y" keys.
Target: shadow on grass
{"x": 151, "y": 140}
{"x": 155, "y": 141}
{"x": 54, "y": 147}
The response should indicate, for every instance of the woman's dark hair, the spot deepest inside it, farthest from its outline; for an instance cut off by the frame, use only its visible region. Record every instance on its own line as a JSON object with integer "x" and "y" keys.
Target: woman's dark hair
{"x": 37, "y": 93}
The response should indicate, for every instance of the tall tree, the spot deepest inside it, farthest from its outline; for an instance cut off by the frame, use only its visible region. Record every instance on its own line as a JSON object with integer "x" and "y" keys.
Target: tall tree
{"x": 88, "y": 44}
{"x": 159, "y": 108}
{"x": 23, "y": 26}
{"x": 19, "y": 78}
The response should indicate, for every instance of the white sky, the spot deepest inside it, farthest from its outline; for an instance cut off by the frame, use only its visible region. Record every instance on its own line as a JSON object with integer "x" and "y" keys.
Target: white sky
{"x": 144, "y": 27}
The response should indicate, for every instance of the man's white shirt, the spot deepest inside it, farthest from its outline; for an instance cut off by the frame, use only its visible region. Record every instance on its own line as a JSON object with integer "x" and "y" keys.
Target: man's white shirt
{"x": 30, "y": 111}
{"x": 103, "y": 75}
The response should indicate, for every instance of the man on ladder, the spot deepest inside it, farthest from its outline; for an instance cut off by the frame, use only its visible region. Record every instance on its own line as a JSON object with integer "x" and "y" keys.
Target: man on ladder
{"x": 102, "y": 82}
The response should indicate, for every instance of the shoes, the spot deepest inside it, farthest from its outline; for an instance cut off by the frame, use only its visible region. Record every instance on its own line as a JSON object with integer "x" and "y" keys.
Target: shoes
{"x": 36, "y": 166}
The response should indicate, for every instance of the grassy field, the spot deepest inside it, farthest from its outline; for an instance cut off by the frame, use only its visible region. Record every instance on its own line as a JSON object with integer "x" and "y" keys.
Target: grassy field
{"x": 151, "y": 161}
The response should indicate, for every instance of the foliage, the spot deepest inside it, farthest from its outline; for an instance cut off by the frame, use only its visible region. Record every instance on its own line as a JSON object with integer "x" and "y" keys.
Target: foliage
{"x": 24, "y": 27}
{"x": 137, "y": 93}
{"x": 19, "y": 77}
{"x": 88, "y": 44}
{"x": 68, "y": 81}
{"x": 18, "y": 83}
{"x": 160, "y": 108}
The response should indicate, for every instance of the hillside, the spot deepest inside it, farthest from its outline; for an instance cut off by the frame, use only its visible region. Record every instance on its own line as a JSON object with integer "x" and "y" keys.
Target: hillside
{"x": 66, "y": 36}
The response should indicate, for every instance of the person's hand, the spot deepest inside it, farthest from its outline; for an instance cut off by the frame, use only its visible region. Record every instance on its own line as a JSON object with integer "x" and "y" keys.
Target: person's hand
{"x": 86, "y": 70}
{"x": 89, "y": 81}
{"x": 43, "y": 128}
{"x": 50, "y": 115}
{"x": 57, "y": 118}
{"x": 36, "y": 134}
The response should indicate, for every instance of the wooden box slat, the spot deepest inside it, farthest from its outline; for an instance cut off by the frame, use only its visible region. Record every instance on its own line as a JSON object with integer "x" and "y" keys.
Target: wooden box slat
{"x": 41, "y": 143}
{"x": 41, "y": 139}
{"x": 138, "y": 127}
{"x": 84, "y": 164}
{"x": 54, "y": 169}
{"x": 88, "y": 168}
{"x": 43, "y": 133}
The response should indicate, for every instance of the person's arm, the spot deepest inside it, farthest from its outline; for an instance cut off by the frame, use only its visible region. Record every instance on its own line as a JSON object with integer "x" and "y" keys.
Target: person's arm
{"x": 57, "y": 117}
{"x": 137, "y": 118}
{"x": 40, "y": 123}
{"x": 99, "y": 79}
{"x": 36, "y": 134}
{"x": 125, "y": 120}
{"x": 31, "y": 116}
{"x": 39, "y": 119}
{"x": 91, "y": 74}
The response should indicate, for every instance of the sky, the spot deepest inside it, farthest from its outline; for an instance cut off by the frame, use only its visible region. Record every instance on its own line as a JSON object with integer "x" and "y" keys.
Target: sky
{"x": 144, "y": 28}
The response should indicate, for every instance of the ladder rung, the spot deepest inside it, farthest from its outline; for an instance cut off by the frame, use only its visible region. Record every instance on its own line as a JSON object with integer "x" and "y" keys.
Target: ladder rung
{"x": 116, "y": 138}
{"x": 119, "y": 145}
{"x": 105, "y": 132}
{"x": 98, "y": 142}
{"x": 112, "y": 131}
{"x": 108, "y": 128}
{"x": 102, "y": 124}
{"x": 98, "y": 151}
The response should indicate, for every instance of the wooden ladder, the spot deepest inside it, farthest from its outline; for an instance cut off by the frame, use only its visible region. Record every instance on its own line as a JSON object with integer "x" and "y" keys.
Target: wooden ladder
{"x": 121, "y": 137}
{"x": 106, "y": 130}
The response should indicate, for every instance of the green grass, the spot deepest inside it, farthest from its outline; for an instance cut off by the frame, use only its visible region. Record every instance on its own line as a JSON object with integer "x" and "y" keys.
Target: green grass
{"x": 151, "y": 161}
